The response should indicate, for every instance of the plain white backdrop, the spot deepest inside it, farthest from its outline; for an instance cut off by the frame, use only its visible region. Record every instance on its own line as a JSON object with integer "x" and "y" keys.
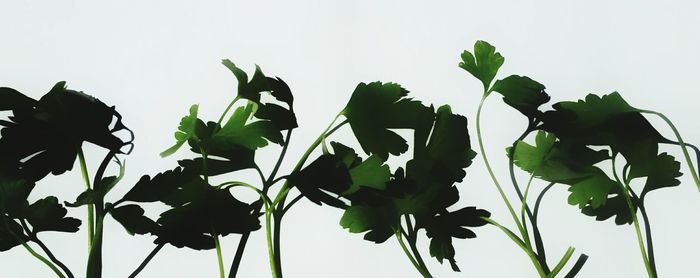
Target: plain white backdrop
{"x": 153, "y": 59}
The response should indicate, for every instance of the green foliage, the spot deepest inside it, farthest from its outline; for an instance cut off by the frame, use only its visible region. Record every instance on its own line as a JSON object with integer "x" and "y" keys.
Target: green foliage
{"x": 483, "y": 63}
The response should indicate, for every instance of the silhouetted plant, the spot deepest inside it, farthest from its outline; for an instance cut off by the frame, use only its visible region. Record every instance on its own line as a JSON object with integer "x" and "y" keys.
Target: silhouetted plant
{"x": 45, "y": 136}
{"x": 572, "y": 145}
{"x": 562, "y": 154}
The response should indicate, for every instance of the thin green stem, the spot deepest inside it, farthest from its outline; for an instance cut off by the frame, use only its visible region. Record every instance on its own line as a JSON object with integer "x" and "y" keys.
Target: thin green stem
{"x": 221, "y": 119}
{"x": 520, "y": 244}
{"x": 90, "y": 207}
{"x": 266, "y": 186}
{"x": 488, "y": 167}
{"x": 691, "y": 167}
{"x": 94, "y": 265}
{"x": 539, "y": 201}
{"x": 279, "y": 202}
{"x": 32, "y": 237}
{"x": 577, "y": 266}
{"x": 557, "y": 268}
{"x": 412, "y": 238}
{"x": 523, "y": 207}
{"x": 29, "y": 248}
{"x": 219, "y": 257}
{"x": 640, "y": 241}
{"x": 399, "y": 238}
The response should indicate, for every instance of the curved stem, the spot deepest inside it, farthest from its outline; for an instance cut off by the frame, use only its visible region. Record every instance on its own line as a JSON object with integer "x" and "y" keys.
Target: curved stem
{"x": 408, "y": 254}
{"x": 681, "y": 143}
{"x": 519, "y": 243}
{"x": 647, "y": 232}
{"x": 282, "y": 195}
{"x": 412, "y": 238}
{"x": 90, "y": 207}
{"x": 147, "y": 260}
{"x": 695, "y": 149}
{"x": 523, "y": 206}
{"x": 488, "y": 167}
{"x": 244, "y": 238}
{"x": 633, "y": 213}
{"x": 291, "y": 203}
{"x": 221, "y": 119}
{"x": 539, "y": 200}
{"x": 29, "y": 248}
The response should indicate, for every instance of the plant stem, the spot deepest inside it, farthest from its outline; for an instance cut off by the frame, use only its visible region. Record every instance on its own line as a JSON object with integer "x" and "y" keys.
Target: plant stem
{"x": 220, "y": 258}
{"x": 244, "y": 238}
{"x": 94, "y": 265}
{"x": 408, "y": 254}
{"x": 520, "y": 244}
{"x": 282, "y": 195}
{"x": 147, "y": 260}
{"x": 90, "y": 207}
{"x": 539, "y": 243}
{"x": 539, "y": 200}
{"x": 47, "y": 251}
{"x": 647, "y": 232}
{"x": 562, "y": 262}
{"x": 633, "y": 213}
{"x": 488, "y": 166}
{"x": 221, "y": 119}
{"x": 29, "y": 248}
{"x": 577, "y": 266}
{"x": 412, "y": 241}
{"x": 681, "y": 143}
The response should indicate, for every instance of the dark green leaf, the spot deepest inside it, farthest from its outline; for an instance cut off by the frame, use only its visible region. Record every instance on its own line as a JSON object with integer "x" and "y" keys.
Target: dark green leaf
{"x": 375, "y": 108}
{"x": 522, "y": 93}
{"x": 381, "y": 222}
{"x": 325, "y": 174}
{"x": 11, "y": 99}
{"x": 132, "y": 219}
{"x": 48, "y": 215}
{"x": 11, "y": 233}
{"x": 45, "y": 137}
{"x": 443, "y": 227}
{"x": 238, "y": 131}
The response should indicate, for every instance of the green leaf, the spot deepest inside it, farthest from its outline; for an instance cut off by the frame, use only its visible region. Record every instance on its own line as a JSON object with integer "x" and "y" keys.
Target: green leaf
{"x": 280, "y": 117}
{"x": 48, "y": 215}
{"x": 528, "y": 157}
{"x": 190, "y": 198}
{"x": 325, "y": 174}
{"x": 443, "y": 227}
{"x": 10, "y": 231}
{"x": 132, "y": 218}
{"x": 522, "y": 93}
{"x": 483, "y": 64}
{"x": 661, "y": 171}
{"x": 13, "y": 195}
{"x": 238, "y": 131}
{"x": 370, "y": 173}
{"x": 376, "y": 108}
{"x": 616, "y": 205}
{"x": 11, "y": 99}
{"x": 44, "y": 136}
{"x": 87, "y": 197}
{"x": 379, "y": 222}
{"x": 185, "y": 131}
{"x": 592, "y": 191}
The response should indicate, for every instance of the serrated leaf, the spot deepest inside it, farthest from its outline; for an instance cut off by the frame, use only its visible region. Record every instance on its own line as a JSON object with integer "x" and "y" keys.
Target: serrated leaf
{"x": 132, "y": 218}
{"x": 483, "y": 63}
{"x": 376, "y": 108}
{"x": 378, "y": 222}
{"x": 184, "y": 132}
{"x": 327, "y": 174}
{"x": 48, "y": 215}
{"x": 238, "y": 131}
{"x": 592, "y": 191}
{"x": 443, "y": 227}
{"x": 44, "y": 136}
{"x": 522, "y": 93}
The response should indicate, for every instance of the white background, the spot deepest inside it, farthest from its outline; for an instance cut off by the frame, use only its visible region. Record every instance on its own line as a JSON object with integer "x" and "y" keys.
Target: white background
{"x": 152, "y": 59}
